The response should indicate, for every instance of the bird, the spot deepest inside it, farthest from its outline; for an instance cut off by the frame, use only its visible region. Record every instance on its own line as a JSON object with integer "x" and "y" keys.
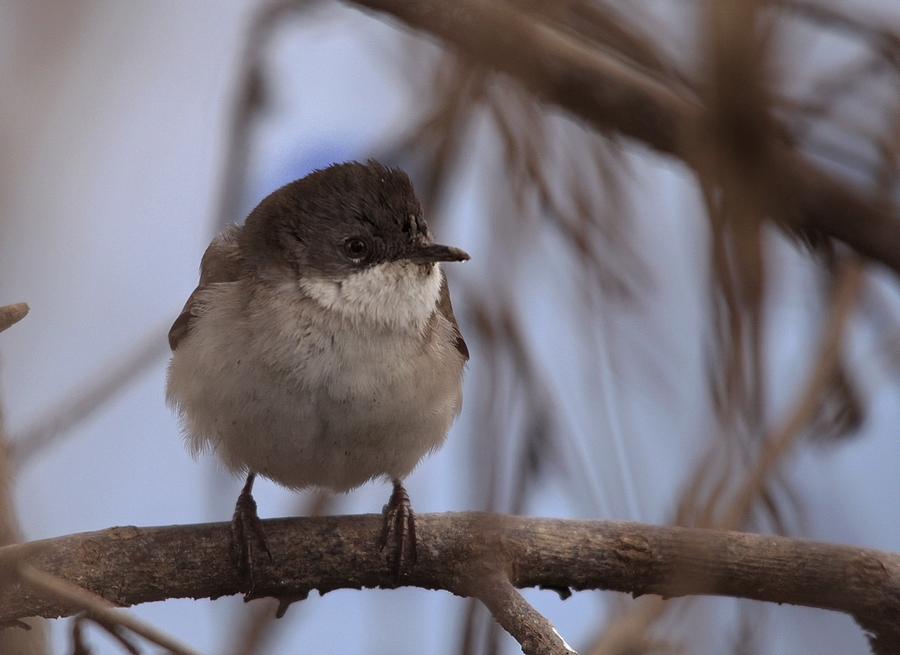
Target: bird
{"x": 320, "y": 348}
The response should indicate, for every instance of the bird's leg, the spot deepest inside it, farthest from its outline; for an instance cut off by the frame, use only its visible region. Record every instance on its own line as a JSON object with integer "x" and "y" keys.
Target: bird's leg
{"x": 244, "y": 523}
{"x": 400, "y": 522}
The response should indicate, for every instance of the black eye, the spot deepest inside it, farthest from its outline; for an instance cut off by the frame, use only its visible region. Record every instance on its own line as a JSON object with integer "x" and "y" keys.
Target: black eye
{"x": 355, "y": 248}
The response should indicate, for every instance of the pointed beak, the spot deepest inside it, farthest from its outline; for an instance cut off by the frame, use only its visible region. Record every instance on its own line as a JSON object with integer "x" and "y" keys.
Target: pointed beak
{"x": 432, "y": 252}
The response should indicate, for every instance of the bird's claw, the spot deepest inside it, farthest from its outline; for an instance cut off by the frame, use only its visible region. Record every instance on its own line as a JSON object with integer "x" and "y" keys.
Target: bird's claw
{"x": 245, "y": 524}
{"x": 399, "y": 523}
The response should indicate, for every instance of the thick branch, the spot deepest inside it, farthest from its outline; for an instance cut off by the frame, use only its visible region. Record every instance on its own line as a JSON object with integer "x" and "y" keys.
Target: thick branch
{"x": 604, "y": 89}
{"x": 136, "y": 565}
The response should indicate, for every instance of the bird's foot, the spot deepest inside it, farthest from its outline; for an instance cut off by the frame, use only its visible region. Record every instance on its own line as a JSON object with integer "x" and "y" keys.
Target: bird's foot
{"x": 245, "y": 524}
{"x": 399, "y": 523}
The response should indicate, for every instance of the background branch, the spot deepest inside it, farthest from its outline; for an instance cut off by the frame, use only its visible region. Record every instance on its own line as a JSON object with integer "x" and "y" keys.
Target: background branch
{"x": 98, "y": 608}
{"x": 12, "y": 314}
{"x": 611, "y": 93}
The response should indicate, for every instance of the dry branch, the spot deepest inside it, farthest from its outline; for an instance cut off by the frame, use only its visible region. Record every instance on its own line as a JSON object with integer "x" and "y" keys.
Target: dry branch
{"x": 534, "y": 632}
{"x": 459, "y": 553}
{"x": 598, "y": 85}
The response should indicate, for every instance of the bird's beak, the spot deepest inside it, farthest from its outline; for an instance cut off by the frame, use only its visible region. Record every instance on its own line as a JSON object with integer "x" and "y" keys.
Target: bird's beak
{"x": 432, "y": 252}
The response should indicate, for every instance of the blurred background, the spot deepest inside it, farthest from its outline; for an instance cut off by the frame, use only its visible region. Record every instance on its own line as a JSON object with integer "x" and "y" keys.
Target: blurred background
{"x": 641, "y": 333}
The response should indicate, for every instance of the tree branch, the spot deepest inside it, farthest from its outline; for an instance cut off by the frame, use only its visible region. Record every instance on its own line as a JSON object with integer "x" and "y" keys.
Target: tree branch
{"x": 602, "y": 87}
{"x": 469, "y": 554}
{"x": 534, "y": 632}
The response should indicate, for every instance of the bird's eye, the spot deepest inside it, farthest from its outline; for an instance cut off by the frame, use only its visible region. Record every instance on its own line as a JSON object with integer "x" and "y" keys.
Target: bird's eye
{"x": 355, "y": 248}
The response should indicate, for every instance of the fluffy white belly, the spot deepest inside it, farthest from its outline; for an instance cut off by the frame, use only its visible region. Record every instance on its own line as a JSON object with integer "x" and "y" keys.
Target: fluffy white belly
{"x": 312, "y": 403}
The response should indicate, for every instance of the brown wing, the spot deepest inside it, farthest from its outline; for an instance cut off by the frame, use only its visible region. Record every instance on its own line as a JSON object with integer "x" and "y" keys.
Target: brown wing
{"x": 221, "y": 263}
{"x": 446, "y": 308}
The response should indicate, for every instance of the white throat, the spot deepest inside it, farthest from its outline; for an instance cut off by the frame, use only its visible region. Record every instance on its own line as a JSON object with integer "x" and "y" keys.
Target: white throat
{"x": 393, "y": 294}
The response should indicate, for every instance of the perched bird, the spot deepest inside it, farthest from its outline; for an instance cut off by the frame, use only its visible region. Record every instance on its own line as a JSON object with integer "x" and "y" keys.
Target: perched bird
{"x": 320, "y": 348}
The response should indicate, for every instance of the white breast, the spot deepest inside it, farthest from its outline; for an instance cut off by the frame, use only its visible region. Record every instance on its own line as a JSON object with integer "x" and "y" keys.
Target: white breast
{"x": 399, "y": 295}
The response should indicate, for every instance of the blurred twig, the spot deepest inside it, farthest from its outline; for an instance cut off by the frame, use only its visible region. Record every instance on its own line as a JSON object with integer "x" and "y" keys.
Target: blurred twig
{"x": 597, "y": 25}
{"x": 89, "y": 396}
{"x": 113, "y": 630}
{"x": 12, "y": 314}
{"x": 75, "y": 596}
{"x": 848, "y": 283}
{"x": 251, "y": 98}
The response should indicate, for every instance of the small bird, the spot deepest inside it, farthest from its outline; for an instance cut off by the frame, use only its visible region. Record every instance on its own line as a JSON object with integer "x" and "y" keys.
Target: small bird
{"x": 320, "y": 348}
